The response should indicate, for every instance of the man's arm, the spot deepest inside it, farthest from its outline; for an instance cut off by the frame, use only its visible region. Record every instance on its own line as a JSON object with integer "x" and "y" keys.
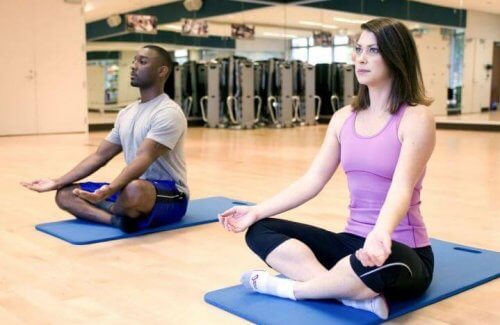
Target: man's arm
{"x": 147, "y": 153}
{"x": 104, "y": 153}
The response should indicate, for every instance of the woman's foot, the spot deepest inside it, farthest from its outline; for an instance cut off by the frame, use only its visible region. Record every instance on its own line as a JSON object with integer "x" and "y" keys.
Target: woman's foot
{"x": 377, "y": 305}
{"x": 262, "y": 282}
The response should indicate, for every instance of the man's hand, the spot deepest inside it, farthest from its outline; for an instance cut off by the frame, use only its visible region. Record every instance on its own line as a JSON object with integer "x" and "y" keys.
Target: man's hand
{"x": 41, "y": 185}
{"x": 94, "y": 197}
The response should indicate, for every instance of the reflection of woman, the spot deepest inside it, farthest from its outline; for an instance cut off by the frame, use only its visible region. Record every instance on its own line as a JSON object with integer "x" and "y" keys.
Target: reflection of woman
{"x": 383, "y": 142}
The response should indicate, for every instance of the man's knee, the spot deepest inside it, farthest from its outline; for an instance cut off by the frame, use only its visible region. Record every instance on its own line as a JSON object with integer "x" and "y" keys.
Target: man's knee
{"x": 136, "y": 193}
{"x": 64, "y": 197}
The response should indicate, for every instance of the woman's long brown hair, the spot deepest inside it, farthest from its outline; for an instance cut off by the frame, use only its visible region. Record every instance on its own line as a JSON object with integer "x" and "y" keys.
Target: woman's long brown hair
{"x": 398, "y": 49}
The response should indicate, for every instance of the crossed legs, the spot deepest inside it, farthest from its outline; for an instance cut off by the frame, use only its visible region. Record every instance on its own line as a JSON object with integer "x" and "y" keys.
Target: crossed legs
{"x": 319, "y": 273}
{"x": 296, "y": 261}
{"x": 135, "y": 200}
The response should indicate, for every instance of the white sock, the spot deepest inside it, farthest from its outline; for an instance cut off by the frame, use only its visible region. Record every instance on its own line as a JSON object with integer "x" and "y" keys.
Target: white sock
{"x": 377, "y": 305}
{"x": 261, "y": 281}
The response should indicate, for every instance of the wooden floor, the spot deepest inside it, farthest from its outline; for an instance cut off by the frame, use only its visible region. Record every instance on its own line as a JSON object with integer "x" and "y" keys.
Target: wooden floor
{"x": 161, "y": 278}
{"x": 491, "y": 117}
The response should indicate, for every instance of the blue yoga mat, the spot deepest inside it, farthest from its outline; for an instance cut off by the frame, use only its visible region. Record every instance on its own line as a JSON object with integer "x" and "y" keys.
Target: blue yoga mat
{"x": 80, "y": 232}
{"x": 457, "y": 268}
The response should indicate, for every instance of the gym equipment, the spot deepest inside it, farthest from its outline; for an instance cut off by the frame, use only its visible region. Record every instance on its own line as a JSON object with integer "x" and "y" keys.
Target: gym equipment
{"x": 81, "y": 232}
{"x": 182, "y": 89}
{"x": 457, "y": 268}
{"x": 349, "y": 83}
{"x": 241, "y": 99}
{"x": 306, "y": 112}
{"x": 279, "y": 89}
{"x": 211, "y": 105}
{"x": 189, "y": 83}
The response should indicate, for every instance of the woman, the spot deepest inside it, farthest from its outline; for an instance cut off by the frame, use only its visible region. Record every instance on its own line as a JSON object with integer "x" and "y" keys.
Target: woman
{"x": 383, "y": 141}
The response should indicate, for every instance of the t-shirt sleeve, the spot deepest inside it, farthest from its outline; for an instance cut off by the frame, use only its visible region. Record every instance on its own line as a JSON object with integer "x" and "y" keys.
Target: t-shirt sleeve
{"x": 114, "y": 135}
{"x": 167, "y": 127}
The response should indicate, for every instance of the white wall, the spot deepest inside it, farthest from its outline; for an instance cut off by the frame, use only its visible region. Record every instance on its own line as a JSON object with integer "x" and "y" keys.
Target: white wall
{"x": 45, "y": 50}
{"x": 126, "y": 93}
{"x": 482, "y": 31}
{"x": 96, "y": 84}
{"x": 262, "y": 48}
{"x": 434, "y": 54}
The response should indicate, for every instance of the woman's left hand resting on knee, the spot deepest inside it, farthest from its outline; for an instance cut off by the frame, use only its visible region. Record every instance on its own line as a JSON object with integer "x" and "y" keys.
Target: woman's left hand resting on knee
{"x": 376, "y": 249}
{"x": 238, "y": 218}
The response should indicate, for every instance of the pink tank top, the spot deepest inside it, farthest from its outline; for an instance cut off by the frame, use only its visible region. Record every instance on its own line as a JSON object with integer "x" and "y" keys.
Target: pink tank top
{"x": 369, "y": 163}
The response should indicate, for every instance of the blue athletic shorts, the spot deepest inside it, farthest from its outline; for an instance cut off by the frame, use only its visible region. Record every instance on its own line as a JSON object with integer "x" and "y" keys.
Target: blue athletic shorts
{"x": 170, "y": 204}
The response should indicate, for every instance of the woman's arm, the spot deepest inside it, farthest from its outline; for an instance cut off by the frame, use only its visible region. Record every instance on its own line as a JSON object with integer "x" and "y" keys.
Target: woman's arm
{"x": 325, "y": 163}
{"x": 308, "y": 185}
{"x": 418, "y": 135}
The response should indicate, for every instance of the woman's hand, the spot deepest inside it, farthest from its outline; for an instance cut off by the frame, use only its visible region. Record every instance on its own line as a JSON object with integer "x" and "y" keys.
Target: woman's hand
{"x": 376, "y": 249}
{"x": 238, "y": 218}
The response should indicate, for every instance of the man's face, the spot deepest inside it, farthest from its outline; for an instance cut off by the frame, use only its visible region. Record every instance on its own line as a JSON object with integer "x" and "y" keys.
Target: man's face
{"x": 146, "y": 68}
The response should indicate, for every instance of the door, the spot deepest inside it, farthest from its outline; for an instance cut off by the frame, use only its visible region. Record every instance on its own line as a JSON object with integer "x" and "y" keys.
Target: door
{"x": 495, "y": 78}
{"x": 18, "y": 114}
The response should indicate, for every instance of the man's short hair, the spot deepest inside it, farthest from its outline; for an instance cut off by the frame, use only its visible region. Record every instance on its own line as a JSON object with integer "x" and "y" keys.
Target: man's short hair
{"x": 164, "y": 56}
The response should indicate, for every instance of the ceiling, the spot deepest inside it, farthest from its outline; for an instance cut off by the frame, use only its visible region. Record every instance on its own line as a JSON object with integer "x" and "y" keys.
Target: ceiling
{"x": 100, "y": 9}
{"x": 279, "y": 21}
{"x": 489, "y": 6}
{"x": 287, "y": 21}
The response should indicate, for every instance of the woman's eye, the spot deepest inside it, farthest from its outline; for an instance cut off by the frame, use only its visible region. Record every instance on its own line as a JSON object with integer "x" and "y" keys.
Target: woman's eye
{"x": 358, "y": 50}
{"x": 374, "y": 50}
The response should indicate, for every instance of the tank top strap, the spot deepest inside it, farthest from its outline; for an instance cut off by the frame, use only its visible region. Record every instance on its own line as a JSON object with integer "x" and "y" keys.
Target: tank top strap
{"x": 399, "y": 115}
{"x": 347, "y": 126}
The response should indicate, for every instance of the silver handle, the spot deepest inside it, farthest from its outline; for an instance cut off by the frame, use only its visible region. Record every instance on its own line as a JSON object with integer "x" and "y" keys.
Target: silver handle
{"x": 271, "y": 99}
{"x": 334, "y": 99}
{"x": 318, "y": 107}
{"x": 187, "y": 108}
{"x": 229, "y": 100}
{"x": 202, "y": 106}
{"x": 259, "y": 106}
{"x": 296, "y": 106}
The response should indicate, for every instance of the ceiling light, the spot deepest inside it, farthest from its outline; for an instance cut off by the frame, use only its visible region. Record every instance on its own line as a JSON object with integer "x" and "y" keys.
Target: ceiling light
{"x": 88, "y": 7}
{"x": 350, "y": 21}
{"x": 279, "y": 35}
{"x": 312, "y": 23}
{"x": 175, "y": 27}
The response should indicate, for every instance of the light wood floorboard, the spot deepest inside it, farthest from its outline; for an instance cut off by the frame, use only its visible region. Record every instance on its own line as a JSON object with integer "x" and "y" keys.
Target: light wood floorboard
{"x": 161, "y": 278}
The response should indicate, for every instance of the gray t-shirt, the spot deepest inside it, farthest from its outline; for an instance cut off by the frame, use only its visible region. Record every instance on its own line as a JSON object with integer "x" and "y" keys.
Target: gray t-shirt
{"x": 163, "y": 121}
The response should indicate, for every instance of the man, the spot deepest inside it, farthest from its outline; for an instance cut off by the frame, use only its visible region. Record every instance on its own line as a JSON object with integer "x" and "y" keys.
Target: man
{"x": 152, "y": 189}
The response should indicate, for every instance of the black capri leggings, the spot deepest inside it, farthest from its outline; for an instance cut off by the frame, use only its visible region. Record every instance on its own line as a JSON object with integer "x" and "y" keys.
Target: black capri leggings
{"x": 406, "y": 273}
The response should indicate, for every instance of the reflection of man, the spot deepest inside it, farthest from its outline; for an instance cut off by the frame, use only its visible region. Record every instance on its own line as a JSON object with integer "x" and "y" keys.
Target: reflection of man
{"x": 151, "y": 190}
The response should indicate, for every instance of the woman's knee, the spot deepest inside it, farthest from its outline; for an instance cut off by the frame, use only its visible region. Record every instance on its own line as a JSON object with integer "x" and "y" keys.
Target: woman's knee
{"x": 255, "y": 232}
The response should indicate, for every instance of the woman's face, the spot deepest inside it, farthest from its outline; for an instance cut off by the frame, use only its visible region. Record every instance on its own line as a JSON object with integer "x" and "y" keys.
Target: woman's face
{"x": 371, "y": 69}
